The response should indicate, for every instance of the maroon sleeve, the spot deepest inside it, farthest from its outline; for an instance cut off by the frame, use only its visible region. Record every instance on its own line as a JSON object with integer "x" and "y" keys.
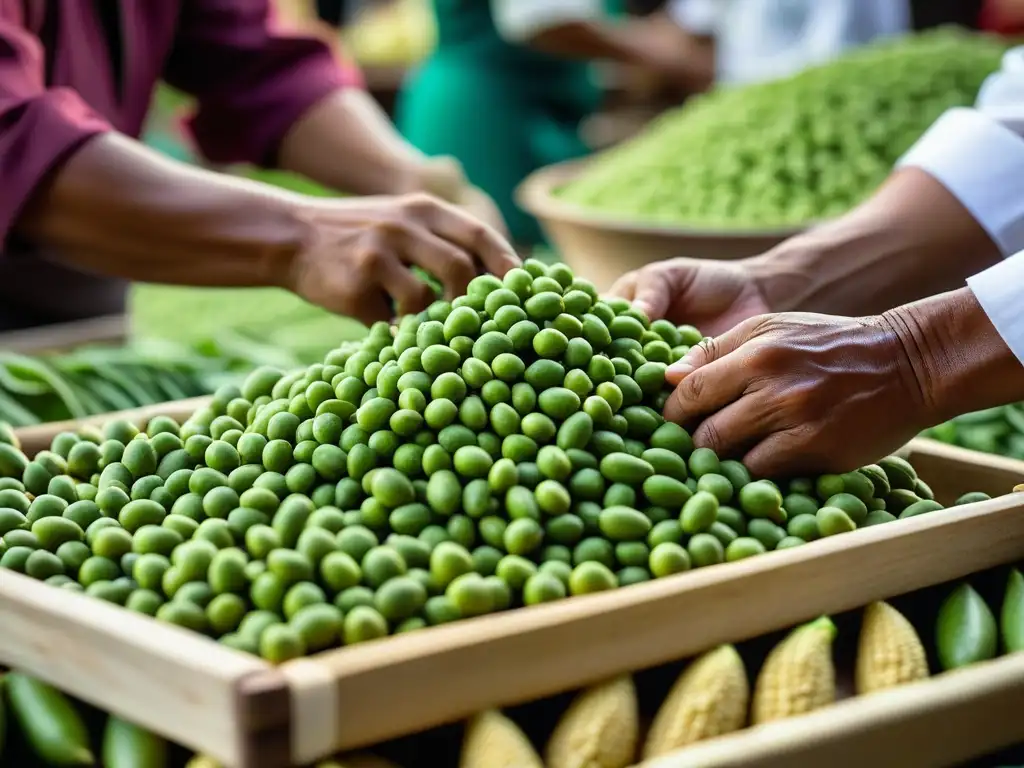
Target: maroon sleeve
{"x": 252, "y": 83}
{"x": 39, "y": 126}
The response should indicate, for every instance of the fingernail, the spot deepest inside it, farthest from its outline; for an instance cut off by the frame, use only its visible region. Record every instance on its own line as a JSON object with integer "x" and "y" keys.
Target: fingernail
{"x": 679, "y": 370}
{"x": 642, "y": 306}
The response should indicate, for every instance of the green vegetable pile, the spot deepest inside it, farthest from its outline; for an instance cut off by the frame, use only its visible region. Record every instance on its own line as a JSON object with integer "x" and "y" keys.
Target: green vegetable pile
{"x": 505, "y": 449}
{"x": 41, "y": 727}
{"x": 792, "y": 151}
{"x": 96, "y": 380}
{"x": 997, "y": 430}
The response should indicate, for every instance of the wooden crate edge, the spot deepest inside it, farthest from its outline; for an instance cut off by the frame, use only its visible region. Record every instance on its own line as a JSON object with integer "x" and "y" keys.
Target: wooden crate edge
{"x": 38, "y": 438}
{"x": 928, "y": 446}
{"x": 173, "y": 681}
{"x": 626, "y": 630}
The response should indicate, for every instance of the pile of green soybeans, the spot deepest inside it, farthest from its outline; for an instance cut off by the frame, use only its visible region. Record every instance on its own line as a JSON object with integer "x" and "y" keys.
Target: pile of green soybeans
{"x": 791, "y": 151}
{"x": 501, "y": 450}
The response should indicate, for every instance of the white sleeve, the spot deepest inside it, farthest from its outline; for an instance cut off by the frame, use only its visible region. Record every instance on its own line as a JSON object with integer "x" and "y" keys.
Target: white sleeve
{"x": 978, "y": 154}
{"x": 518, "y": 20}
{"x": 701, "y": 17}
{"x": 1000, "y": 291}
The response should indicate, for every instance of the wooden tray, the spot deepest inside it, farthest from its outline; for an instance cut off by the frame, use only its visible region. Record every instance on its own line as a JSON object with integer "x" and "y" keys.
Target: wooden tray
{"x": 39, "y": 437}
{"x": 248, "y": 713}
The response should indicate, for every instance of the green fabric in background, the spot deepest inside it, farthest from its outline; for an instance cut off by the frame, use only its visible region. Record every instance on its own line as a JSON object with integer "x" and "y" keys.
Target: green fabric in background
{"x": 503, "y": 110}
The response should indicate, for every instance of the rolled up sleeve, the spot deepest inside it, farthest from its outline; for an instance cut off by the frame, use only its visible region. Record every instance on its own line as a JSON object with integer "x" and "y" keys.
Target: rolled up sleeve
{"x": 978, "y": 154}
{"x": 40, "y": 127}
{"x": 252, "y": 82}
{"x": 1000, "y": 292}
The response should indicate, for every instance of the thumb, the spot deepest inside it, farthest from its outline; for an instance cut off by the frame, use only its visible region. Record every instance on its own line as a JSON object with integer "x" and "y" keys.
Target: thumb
{"x": 653, "y": 294}
{"x": 709, "y": 350}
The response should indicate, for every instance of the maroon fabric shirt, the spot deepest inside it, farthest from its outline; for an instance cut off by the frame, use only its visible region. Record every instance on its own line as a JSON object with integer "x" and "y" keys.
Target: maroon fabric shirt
{"x": 64, "y": 79}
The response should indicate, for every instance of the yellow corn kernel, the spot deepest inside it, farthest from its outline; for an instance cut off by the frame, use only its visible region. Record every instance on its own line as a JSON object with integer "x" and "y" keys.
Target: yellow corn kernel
{"x": 798, "y": 676}
{"x": 889, "y": 652}
{"x": 494, "y": 741}
{"x": 601, "y": 728}
{"x": 709, "y": 699}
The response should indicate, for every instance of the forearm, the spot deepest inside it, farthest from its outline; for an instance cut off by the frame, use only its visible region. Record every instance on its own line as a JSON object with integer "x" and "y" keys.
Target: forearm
{"x": 346, "y": 142}
{"x": 117, "y": 208}
{"x": 653, "y": 43}
{"x": 910, "y": 240}
{"x": 960, "y": 361}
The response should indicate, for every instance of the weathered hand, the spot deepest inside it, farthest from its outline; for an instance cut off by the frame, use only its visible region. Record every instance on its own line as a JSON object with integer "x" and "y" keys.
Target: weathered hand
{"x": 712, "y": 295}
{"x": 800, "y": 392}
{"x": 358, "y": 253}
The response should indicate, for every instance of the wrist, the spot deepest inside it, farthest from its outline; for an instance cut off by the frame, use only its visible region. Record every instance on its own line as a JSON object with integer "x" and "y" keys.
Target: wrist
{"x": 910, "y": 240}
{"x": 956, "y": 358}
{"x": 119, "y": 209}
{"x": 824, "y": 268}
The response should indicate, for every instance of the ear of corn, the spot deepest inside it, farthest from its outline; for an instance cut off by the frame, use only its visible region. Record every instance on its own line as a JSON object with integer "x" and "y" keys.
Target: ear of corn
{"x": 494, "y": 741}
{"x": 889, "y": 652}
{"x": 798, "y": 676}
{"x": 709, "y": 699}
{"x": 601, "y": 728}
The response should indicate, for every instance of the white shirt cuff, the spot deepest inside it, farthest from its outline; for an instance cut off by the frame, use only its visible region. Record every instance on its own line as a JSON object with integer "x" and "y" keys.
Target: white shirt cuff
{"x": 519, "y": 20}
{"x": 699, "y": 17}
{"x": 1000, "y": 291}
{"x": 982, "y": 163}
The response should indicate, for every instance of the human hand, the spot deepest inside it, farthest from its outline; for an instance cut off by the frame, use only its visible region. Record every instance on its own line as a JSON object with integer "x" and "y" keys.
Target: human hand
{"x": 358, "y": 251}
{"x": 800, "y": 392}
{"x": 712, "y": 295}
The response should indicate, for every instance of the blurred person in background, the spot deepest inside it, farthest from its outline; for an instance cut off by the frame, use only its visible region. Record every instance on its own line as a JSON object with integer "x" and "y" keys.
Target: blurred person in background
{"x": 84, "y": 206}
{"x": 758, "y": 40}
{"x": 905, "y": 344}
{"x": 510, "y": 81}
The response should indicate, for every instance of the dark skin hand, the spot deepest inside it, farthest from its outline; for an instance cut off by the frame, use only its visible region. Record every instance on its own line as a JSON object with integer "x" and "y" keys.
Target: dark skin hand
{"x": 800, "y": 392}
{"x": 118, "y": 208}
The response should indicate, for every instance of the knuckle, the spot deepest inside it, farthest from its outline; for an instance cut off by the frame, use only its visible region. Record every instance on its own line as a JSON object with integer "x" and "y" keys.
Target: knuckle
{"x": 705, "y": 350}
{"x": 419, "y": 203}
{"x": 708, "y": 435}
{"x": 477, "y": 233}
{"x": 369, "y": 258}
{"x": 771, "y": 357}
{"x": 692, "y": 387}
{"x": 390, "y": 230}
